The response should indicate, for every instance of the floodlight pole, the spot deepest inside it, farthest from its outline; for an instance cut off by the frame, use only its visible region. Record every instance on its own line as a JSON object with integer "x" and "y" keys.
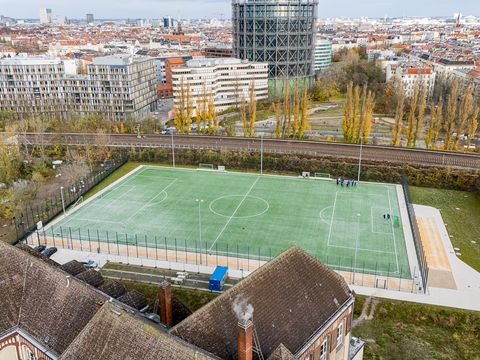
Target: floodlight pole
{"x": 173, "y": 149}
{"x": 200, "y": 201}
{"x": 63, "y": 200}
{"x": 360, "y": 159}
{"x": 261, "y": 154}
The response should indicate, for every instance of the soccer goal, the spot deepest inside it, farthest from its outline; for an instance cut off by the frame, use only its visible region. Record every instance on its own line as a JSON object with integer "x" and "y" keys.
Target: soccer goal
{"x": 319, "y": 175}
{"x": 209, "y": 167}
{"x": 72, "y": 207}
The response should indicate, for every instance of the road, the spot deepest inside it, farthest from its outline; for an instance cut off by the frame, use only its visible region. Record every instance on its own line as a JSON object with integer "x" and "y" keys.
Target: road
{"x": 384, "y": 154}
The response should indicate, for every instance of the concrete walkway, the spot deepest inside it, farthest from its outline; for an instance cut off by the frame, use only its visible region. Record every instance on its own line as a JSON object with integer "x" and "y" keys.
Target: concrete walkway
{"x": 467, "y": 296}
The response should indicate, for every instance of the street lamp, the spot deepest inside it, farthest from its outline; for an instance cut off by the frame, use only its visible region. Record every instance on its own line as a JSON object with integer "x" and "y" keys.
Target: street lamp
{"x": 173, "y": 148}
{"x": 200, "y": 202}
{"x": 261, "y": 154}
{"x": 63, "y": 200}
{"x": 360, "y": 159}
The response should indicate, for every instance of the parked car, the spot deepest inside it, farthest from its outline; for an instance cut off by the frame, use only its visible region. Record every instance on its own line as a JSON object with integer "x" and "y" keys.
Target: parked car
{"x": 39, "y": 248}
{"x": 50, "y": 251}
{"x": 90, "y": 264}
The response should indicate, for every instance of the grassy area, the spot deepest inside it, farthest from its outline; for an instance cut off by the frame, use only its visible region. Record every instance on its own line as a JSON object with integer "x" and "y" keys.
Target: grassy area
{"x": 401, "y": 330}
{"x": 193, "y": 299}
{"x": 122, "y": 171}
{"x": 461, "y": 213}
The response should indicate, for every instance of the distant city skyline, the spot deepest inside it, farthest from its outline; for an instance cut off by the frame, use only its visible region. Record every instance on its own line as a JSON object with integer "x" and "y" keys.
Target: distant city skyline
{"x": 121, "y": 9}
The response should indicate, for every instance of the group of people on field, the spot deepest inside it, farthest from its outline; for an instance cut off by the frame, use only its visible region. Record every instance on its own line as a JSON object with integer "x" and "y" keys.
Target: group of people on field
{"x": 346, "y": 182}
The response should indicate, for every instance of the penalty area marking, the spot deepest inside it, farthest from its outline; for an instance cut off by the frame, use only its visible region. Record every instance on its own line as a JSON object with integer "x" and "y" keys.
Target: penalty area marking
{"x": 321, "y": 215}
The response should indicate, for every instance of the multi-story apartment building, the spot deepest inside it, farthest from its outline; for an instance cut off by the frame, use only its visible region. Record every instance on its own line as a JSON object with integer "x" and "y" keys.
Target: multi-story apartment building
{"x": 32, "y": 85}
{"x": 117, "y": 87}
{"x": 227, "y": 80}
{"x": 411, "y": 77}
{"x": 323, "y": 55}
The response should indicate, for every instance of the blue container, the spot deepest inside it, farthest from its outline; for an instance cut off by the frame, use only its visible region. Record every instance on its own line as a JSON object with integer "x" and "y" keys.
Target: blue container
{"x": 217, "y": 280}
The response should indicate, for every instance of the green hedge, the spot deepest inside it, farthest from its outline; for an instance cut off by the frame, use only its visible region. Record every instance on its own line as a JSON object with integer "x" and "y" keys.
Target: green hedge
{"x": 445, "y": 178}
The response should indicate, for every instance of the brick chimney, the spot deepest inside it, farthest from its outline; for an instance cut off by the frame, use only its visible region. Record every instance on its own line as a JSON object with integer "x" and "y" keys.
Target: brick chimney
{"x": 245, "y": 340}
{"x": 165, "y": 303}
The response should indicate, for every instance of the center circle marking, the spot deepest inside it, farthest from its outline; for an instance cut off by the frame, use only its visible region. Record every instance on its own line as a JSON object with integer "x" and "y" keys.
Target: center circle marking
{"x": 239, "y": 198}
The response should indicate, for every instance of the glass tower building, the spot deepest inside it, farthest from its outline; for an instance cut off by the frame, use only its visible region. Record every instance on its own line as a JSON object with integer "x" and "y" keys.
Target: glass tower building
{"x": 280, "y": 32}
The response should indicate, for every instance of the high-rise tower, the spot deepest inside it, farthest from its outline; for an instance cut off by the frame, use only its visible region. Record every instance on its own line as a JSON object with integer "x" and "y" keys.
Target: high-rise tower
{"x": 280, "y": 32}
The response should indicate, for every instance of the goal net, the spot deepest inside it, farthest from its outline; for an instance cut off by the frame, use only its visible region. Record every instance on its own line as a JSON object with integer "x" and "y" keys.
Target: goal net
{"x": 206, "y": 167}
{"x": 319, "y": 175}
{"x": 72, "y": 207}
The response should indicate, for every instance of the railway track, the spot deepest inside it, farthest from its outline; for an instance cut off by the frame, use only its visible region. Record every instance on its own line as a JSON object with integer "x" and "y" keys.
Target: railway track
{"x": 340, "y": 150}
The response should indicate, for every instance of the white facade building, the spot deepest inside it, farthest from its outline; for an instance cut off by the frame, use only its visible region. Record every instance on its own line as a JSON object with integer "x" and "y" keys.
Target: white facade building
{"x": 227, "y": 80}
{"x": 45, "y": 16}
{"x": 323, "y": 55}
{"x": 412, "y": 76}
{"x": 115, "y": 86}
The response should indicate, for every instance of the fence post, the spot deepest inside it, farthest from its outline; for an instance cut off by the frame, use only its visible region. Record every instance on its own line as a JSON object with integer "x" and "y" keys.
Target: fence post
{"x": 196, "y": 253}
{"x": 176, "y": 251}
{"x": 98, "y": 242}
{"x": 156, "y": 250}
{"x": 136, "y": 243}
{"x": 146, "y": 247}
{"x": 227, "y": 255}
{"x": 108, "y": 244}
{"x": 166, "y": 250}
{"x": 128, "y": 251}
{"x": 89, "y": 241}
{"x": 118, "y": 247}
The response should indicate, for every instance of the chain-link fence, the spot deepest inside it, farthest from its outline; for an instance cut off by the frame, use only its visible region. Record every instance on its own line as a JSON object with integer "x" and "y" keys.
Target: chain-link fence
{"x": 422, "y": 259}
{"x": 26, "y": 220}
{"x": 127, "y": 247}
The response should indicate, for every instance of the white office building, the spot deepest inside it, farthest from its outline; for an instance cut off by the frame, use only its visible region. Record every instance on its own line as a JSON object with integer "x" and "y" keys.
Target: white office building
{"x": 227, "y": 80}
{"x": 323, "y": 55}
{"x": 45, "y": 16}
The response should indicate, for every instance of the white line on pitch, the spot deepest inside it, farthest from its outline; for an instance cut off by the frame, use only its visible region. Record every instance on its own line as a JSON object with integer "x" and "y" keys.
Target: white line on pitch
{"x": 331, "y": 221}
{"x": 231, "y": 217}
{"x": 361, "y": 249}
{"x": 393, "y": 230}
{"x": 149, "y": 201}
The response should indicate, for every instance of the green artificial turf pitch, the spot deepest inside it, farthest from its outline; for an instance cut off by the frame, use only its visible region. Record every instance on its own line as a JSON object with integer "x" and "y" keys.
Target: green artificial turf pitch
{"x": 248, "y": 215}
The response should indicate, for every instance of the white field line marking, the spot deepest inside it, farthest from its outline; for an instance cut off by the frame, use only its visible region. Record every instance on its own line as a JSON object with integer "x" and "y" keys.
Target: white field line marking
{"x": 126, "y": 192}
{"x": 149, "y": 201}
{"x": 231, "y": 217}
{"x": 372, "y": 217}
{"x": 393, "y": 230}
{"x": 362, "y": 249}
{"x": 331, "y": 221}
{"x": 357, "y": 240}
{"x": 366, "y": 271}
{"x": 94, "y": 221}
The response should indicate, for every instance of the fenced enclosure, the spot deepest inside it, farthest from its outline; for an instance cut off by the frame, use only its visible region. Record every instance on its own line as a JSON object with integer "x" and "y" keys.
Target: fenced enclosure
{"x": 26, "y": 220}
{"x": 126, "y": 248}
{"x": 356, "y": 227}
{"x": 419, "y": 250}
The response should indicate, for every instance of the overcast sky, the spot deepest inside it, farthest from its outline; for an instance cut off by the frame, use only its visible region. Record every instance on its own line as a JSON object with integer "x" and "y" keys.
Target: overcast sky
{"x": 213, "y": 8}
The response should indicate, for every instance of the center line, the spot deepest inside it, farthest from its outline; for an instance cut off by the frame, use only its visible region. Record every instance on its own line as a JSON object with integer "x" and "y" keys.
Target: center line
{"x": 231, "y": 217}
